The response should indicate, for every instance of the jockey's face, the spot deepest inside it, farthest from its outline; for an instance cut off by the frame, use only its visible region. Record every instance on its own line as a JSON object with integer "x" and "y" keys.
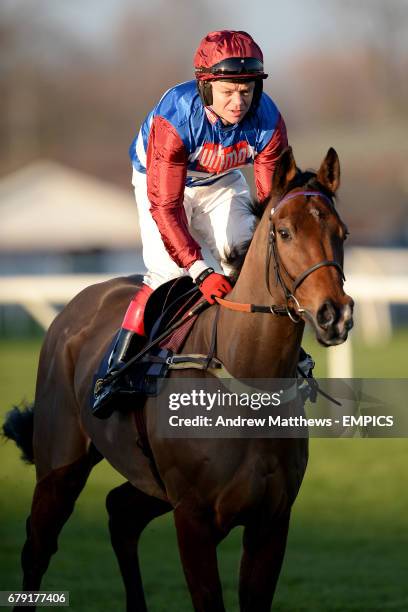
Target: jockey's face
{"x": 231, "y": 101}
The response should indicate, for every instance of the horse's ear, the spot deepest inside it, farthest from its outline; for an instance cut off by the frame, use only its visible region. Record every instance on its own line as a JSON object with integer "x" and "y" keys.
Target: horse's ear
{"x": 285, "y": 171}
{"x": 329, "y": 171}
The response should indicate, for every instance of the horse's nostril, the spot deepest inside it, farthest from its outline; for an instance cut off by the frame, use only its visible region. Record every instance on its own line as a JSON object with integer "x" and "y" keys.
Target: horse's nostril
{"x": 326, "y": 315}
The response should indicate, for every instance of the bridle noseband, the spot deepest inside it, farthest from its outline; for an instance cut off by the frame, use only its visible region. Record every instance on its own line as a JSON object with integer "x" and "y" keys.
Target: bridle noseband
{"x": 273, "y": 253}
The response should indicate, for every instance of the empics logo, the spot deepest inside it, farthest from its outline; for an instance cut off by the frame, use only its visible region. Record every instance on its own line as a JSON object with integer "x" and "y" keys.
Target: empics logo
{"x": 216, "y": 158}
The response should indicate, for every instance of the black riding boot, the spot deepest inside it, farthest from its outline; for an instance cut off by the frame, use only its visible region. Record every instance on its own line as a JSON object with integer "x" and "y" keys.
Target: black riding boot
{"x": 122, "y": 351}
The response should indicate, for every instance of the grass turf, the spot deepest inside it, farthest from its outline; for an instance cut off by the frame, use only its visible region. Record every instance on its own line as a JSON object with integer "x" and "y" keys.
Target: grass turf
{"x": 348, "y": 542}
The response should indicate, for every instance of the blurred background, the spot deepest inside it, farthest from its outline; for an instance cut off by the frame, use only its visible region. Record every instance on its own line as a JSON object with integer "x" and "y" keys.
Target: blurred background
{"x": 78, "y": 78}
{"x": 76, "y": 81}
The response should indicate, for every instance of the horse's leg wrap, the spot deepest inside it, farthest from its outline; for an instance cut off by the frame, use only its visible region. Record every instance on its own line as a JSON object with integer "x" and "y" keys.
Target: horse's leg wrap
{"x": 130, "y": 510}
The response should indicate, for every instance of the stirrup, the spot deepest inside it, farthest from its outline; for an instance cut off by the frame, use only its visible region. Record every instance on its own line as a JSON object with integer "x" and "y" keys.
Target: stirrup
{"x": 118, "y": 389}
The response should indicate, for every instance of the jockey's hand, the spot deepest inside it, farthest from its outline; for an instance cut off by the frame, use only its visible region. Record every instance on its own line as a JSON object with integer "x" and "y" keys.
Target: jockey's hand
{"x": 214, "y": 285}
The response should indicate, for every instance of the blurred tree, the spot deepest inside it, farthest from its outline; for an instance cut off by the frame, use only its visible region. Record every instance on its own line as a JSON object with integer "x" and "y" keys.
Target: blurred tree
{"x": 355, "y": 70}
{"x": 37, "y": 62}
{"x": 81, "y": 101}
{"x": 82, "y": 104}
{"x": 381, "y": 29}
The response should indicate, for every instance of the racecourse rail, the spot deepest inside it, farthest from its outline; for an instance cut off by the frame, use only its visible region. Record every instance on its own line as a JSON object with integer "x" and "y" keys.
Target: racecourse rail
{"x": 39, "y": 295}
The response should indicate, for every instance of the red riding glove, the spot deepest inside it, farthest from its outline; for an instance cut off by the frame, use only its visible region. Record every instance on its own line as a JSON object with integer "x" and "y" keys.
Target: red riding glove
{"x": 213, "y": 284}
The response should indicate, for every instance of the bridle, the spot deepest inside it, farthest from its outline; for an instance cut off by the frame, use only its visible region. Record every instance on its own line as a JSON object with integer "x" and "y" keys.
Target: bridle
{"x": 272, "y": 254}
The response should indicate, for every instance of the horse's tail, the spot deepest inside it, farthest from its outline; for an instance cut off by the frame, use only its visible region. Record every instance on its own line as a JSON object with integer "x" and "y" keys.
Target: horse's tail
{"x": 18, "y": 426}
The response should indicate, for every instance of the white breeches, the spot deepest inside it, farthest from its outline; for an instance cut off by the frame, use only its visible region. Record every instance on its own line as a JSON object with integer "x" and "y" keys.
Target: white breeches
{"x": 218, "y": 217}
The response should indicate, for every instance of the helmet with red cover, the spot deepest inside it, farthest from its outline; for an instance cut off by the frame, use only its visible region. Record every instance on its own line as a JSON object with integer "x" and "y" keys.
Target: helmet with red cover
{"x": 228, "y": 55}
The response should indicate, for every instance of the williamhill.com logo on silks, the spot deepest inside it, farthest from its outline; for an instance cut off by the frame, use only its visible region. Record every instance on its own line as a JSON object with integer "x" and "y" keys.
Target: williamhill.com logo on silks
{"x": 216, "y": 158}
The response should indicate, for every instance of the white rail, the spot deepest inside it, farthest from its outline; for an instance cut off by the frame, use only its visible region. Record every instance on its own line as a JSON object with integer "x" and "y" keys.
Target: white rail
{"x": 367, "y": 291}
{"x": 39, "y": 294}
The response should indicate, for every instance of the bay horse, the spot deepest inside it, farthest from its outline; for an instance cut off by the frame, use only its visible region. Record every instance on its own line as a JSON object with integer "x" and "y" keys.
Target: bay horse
{"x": 295, "y": 258}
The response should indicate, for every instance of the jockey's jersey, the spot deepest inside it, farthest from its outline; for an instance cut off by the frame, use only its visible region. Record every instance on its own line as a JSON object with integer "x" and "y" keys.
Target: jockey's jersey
{"x": 183, "y": 143}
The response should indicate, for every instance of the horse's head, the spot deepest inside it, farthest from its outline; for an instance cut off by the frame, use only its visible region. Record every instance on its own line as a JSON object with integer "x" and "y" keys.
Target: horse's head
{"x": 306, "y": 238}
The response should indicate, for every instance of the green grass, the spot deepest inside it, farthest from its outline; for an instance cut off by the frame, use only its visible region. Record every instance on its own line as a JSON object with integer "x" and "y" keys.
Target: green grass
{"x": 348, "y": 542}
{"x": 375, "y": 361}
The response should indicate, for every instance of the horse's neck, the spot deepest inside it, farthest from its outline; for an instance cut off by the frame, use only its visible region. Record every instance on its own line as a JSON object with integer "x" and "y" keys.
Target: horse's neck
{"x": 257, "y": 345}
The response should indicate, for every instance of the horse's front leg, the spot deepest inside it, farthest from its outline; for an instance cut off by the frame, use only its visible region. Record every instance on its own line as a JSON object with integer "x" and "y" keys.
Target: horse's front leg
{"x": 263, "y": 551}
{"x": 198, "y": 539}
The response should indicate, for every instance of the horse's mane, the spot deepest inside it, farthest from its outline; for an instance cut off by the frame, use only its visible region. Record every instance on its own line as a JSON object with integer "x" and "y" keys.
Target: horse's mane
{"x": 307, "y": 179}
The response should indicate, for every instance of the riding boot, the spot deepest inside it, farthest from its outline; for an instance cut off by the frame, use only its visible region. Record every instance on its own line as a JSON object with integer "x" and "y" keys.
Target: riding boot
{"x": 128, "y": 337}
{"x": 121, "y": 350}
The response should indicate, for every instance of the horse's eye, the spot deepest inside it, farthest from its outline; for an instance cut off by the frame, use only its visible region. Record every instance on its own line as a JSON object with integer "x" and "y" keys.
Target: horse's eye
{"x": 284, "y": 234}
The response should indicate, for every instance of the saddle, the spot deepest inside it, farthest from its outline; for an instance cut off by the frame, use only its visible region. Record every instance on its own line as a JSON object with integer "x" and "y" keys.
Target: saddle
{"x": 168, "y": 302}
{"x": 167, "y": 307}
{"x": 171, "y": 305}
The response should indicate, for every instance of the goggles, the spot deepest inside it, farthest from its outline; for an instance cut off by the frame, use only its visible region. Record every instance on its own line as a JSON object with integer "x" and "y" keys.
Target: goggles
{"x": 234, "y": 67}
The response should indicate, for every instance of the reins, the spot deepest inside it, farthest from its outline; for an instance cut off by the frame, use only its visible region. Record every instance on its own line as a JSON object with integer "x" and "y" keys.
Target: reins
{"x": 242, "y": 307}
{"x": 273, "y": 253}
{"x": 283, "y": 310}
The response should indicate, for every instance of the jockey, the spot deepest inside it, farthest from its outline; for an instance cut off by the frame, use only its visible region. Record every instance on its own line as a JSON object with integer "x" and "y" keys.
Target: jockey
{"x": 186, "y": 179}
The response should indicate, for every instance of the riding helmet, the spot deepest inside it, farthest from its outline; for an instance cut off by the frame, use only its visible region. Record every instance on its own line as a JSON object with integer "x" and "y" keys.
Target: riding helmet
{"x": 228, "y": 55}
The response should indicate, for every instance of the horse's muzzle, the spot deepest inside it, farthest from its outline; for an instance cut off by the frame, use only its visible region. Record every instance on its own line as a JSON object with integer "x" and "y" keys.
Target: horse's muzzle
{"x": 334, "y": 321}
